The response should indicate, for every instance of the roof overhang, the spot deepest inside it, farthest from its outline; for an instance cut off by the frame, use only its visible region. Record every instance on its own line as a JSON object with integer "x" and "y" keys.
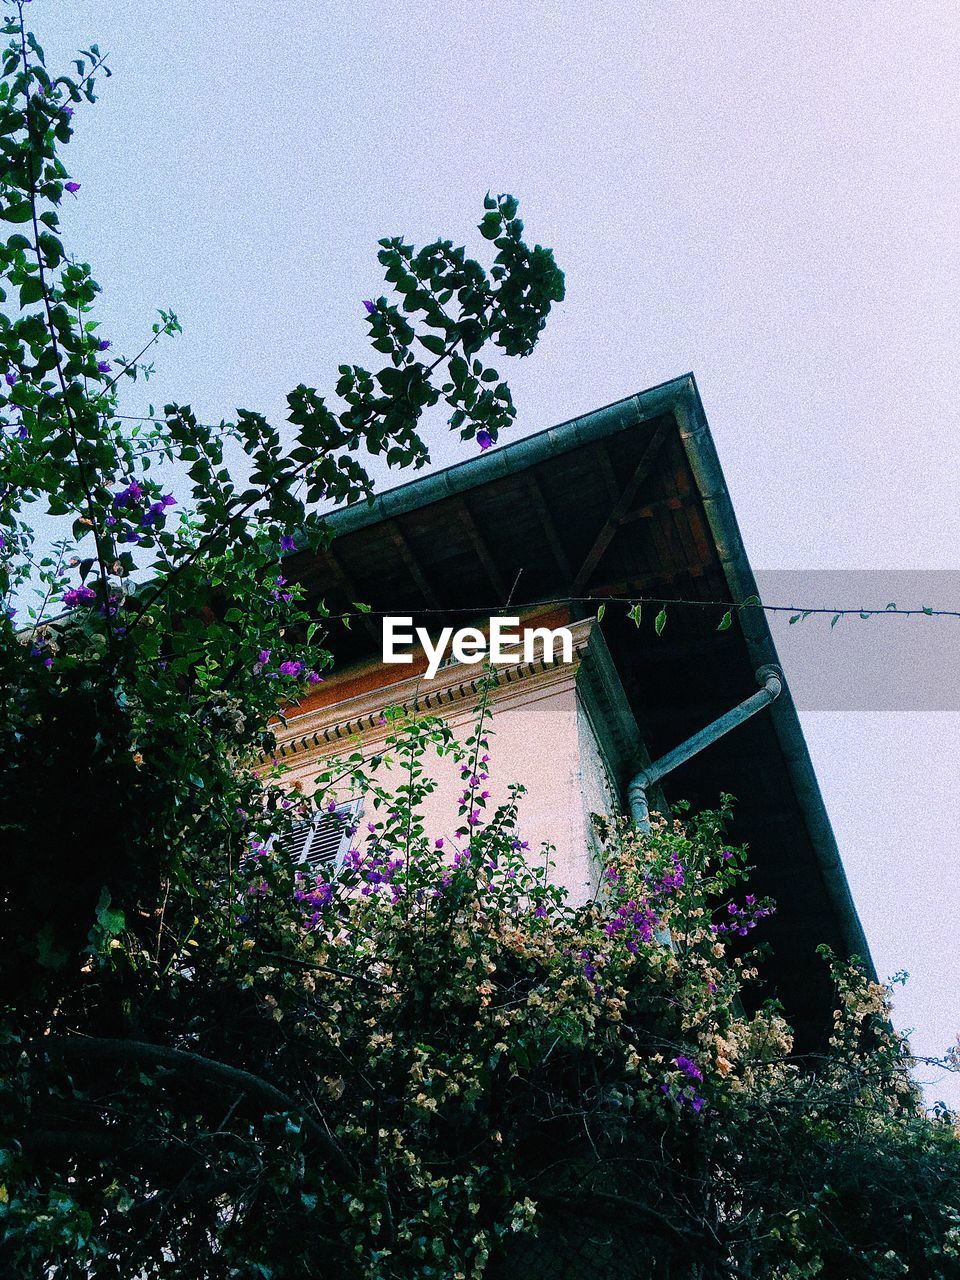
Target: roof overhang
{"x": 627, "y": 502}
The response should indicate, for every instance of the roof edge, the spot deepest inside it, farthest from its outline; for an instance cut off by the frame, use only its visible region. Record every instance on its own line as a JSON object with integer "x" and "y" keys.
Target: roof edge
{"x": 511, "y": 458}
{"x": 705, "y": 463}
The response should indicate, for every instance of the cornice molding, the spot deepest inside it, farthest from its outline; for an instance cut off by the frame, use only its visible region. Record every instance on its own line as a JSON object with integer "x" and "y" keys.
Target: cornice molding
{"x": 342, "y": 721}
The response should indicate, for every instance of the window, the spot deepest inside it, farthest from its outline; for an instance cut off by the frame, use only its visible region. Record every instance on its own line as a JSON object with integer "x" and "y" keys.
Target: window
{"x": 320, "y": 843}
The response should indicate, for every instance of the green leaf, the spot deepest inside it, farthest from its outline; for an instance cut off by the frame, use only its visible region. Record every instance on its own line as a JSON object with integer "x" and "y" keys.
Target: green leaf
{"x": 726, "y": 621}
{"x": 634, "y": 614}
{"x": 31, "y": 291}
{"x": 21, "y": 211}
{"x": 111, "y": 919}
{"x": 600, "y": 612}
{"x": 52, "y": 248}
{"x": 835, "y": 619}
{"x": 433, "y": 343}
{"x": 660, "y": 621}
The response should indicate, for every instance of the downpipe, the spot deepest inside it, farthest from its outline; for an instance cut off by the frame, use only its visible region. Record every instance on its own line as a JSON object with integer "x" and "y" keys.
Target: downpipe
{"x": 770, "y": 679}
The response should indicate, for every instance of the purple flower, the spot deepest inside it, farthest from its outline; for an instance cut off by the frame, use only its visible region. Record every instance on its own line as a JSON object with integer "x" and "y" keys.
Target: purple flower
{"x": 289, "y": 668}
{"x": 314, "y": 677}
{"x": 263, "y": 657}
{"x": 103, "y": 366}
{"x": 370, "y": 306}
{"x": 132, "y": 493}
{"x": 72, "y": 187}
{"x": 79, "y": 595}
{"x": 153, "y": 513}
{"x": 22, "y": 432}
{"x": 103, "y": 344}
{"x": 688, "y": 1068}
{"x": 484, "y": 440}
{"x": 287, "y": 543}
{"x": 10, "y": 378}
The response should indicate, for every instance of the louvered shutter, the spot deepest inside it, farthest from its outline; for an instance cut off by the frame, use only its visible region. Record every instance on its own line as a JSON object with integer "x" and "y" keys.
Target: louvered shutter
{"x": 297, "y": 841}
{"x": 322, "y": 841}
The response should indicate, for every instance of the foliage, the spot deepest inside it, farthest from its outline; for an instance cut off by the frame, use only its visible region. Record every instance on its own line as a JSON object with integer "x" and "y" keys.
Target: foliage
{"x": 433, "y": 1065}
{"x": 178, "y": 636}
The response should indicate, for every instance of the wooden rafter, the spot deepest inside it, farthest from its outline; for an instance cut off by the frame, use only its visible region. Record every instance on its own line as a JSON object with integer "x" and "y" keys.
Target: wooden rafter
{"x": 673, "y": 503}
{"x": 618, "y": 512}
{"x": 546, "y": 519}
{"x": 397, "y": 537}
{"x": 482, "y": 550}
{"x": 609, "y": 474}
{"x": 345, "y": 583}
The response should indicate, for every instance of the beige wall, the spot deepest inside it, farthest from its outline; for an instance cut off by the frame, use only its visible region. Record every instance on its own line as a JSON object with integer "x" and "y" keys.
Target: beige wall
{"x": 541, "y": 735}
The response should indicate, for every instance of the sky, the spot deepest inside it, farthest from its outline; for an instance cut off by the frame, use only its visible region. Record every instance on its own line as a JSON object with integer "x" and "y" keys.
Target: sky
{"x": 762, "y": 192}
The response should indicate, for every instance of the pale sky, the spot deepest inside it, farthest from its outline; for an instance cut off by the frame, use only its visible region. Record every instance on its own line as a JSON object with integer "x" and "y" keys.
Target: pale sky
{"x": 761, "y": 191}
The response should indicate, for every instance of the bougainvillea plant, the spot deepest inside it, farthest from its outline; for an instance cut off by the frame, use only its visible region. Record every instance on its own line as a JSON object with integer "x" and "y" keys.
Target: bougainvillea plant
{"x": 165, "y": 634}
{"x": 431, "y": 1064}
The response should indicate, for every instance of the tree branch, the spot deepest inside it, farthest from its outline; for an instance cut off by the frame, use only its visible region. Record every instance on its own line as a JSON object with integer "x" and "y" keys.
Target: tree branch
{"x": 184, "y": 1060}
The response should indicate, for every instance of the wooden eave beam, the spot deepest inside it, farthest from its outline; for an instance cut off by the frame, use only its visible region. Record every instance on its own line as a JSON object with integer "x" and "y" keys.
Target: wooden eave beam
{"x": 619, "y": 511}
{"x": 546, "y": 519}
{"x": 346, "y": 584}
{"x": 397, "y": 537}
{"x": 482, "y": 550}
{"x": 673, "y": 503}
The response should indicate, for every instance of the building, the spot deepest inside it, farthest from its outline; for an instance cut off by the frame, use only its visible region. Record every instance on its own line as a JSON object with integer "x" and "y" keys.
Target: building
{"x": 622, "y": 503}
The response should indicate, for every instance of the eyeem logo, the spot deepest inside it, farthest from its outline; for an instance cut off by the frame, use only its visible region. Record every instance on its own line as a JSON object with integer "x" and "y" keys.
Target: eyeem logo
{"x": 506, "y": 644}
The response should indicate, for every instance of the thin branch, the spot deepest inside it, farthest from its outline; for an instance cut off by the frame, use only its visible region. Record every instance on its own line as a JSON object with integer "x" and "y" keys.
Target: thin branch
{"x": 183, "y": 1060}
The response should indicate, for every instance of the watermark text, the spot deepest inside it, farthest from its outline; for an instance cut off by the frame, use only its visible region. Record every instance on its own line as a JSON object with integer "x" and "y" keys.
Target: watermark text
{"x": 504, "y": 643}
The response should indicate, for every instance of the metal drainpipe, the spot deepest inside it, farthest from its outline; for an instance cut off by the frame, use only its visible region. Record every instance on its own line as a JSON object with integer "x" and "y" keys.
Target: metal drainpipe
{"x": 770, "y": 677}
